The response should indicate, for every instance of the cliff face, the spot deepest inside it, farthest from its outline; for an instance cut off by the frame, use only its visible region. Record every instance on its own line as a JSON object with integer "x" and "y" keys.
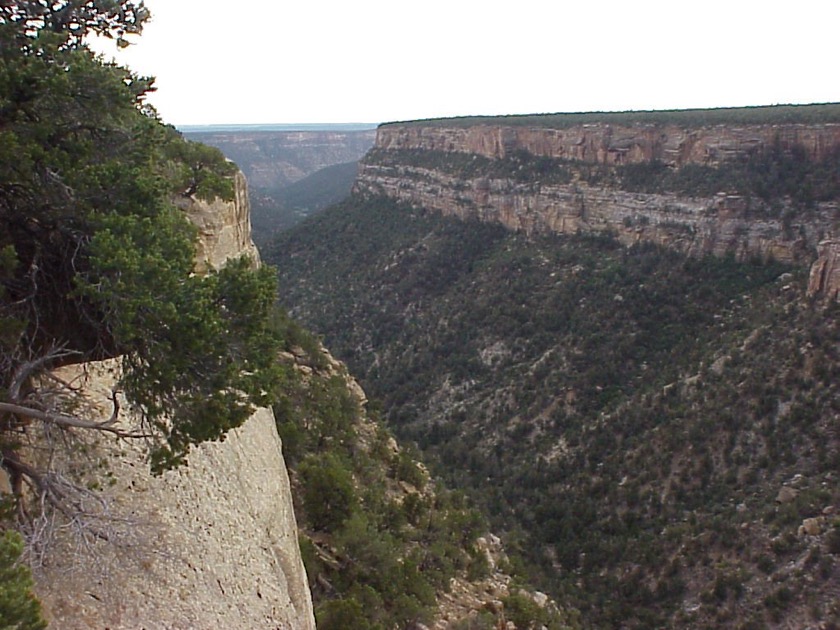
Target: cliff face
{"x": 224, "y": 227}
{"x": 720, "y": 224}
{"x": 211, "y": 545}
{"x": 613, "y": 144}
{"x": 824, "y": 279}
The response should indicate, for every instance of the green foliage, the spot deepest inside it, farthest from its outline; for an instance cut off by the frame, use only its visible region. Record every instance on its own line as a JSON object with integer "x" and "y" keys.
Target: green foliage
{"x": 198, "y": 169}
{"x": 97, "y": 259}
{"x": 406, "y": 469}
{"x": 19, "y": 609}
{"x": 71, "y": 20}
{"x": 338, "y": 614}
{"x": 384, "y": 552}
{"x": 328, "y": 495}
{"x": 526, "y": 614}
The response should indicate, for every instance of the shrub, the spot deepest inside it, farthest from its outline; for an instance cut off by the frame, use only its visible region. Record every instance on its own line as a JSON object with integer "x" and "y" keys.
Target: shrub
{"x": 329, "y": 496}
{"x": 19, "y": 609}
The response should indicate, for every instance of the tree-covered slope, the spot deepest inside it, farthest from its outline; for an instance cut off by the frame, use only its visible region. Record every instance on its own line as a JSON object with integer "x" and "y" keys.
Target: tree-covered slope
{"x": 658, "y": 434}
{"x": 385, "y": 546}
{"x": 274, "y": 209}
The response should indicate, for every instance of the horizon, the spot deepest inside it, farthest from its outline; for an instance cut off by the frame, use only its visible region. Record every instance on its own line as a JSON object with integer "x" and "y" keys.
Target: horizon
{"x": 328, "y": 62}
{"x": 367, "y": 126}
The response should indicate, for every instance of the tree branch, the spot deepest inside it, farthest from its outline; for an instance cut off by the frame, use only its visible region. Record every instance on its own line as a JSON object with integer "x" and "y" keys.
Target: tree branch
{"x": 64, "y": 420}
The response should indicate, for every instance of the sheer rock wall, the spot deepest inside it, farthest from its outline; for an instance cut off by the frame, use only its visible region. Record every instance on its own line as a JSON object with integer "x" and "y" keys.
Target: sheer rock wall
{"x": 723, "y": 224}
{"x": 613, "y": 144}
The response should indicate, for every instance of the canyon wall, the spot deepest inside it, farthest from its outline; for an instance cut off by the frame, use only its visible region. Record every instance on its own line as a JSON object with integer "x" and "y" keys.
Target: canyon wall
{"x": 210, "y": 545}
{"x": 613, "y": 144}
{"x": 721, "y": 224}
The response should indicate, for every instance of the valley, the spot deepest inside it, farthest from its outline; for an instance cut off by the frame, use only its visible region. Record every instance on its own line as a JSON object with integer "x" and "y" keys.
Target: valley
{"x": 291, "y": 170}
{"x": 651, "y": 423}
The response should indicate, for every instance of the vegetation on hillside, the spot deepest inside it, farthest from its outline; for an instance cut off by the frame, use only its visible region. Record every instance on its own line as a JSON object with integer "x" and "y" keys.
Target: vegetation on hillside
{"x": 627, "y": 416}
{"x": 759, "y": 115}
{"x": 19, "y": 609}
{"x": 381, "y": 541}
{"x": 277, "y": 209}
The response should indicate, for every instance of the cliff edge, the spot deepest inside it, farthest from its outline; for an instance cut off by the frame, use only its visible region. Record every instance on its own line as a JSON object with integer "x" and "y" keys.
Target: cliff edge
{"x": 211, "y": 545}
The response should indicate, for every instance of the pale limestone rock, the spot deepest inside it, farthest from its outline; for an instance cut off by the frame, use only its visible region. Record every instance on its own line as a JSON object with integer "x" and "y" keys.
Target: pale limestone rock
{"x": 811, "y": 526}
{"x": 540, "y": 599}
{"x": 786, "y": 495}
{"x": 210, "y": 545}
{"x": 224, "y": 227}
{"x": 357, "y": 391}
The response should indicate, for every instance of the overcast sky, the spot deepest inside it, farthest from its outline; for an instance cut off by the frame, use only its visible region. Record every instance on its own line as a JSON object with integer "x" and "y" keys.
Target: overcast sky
{"x": 329, "y": 61}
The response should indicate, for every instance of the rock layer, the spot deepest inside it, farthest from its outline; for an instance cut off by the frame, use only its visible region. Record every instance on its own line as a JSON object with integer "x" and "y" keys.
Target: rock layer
{"x": 723, "y": 224}
{"x": 614, "y": 144}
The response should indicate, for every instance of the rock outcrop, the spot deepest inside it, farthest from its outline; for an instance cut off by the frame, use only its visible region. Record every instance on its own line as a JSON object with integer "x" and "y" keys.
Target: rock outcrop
{"x": 602, "y": 143}
{"x": 224, "y": 227}
{"x": 211, "y": 545}
{"x": 825, "y": 272}
{"x": 721, "y": 224}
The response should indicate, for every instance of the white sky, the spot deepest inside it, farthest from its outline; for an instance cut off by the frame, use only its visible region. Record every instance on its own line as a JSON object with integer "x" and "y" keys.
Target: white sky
{"x": 325, "y": 61}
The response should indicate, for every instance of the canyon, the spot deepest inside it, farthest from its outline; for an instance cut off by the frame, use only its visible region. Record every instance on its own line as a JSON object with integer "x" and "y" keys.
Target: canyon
{"x": 618, "y": 353}
{"x": 273, "y": 159}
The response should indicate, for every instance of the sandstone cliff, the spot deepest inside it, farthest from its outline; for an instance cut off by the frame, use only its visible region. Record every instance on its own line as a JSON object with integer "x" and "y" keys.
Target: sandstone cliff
{"x": 824, "y": 279}
{"x": 212, "y": 545}
{"x": 224, "y": 227}
{"x": 725, "y": 222}
{"x": 614, "y": 144}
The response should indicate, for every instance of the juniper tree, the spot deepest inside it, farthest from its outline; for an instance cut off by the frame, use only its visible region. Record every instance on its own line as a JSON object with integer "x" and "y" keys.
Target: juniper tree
{"x": 96, "y": 261}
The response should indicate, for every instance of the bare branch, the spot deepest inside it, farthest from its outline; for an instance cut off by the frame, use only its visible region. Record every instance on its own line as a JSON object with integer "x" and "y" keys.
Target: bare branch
{"x": 25, "y": 370}
{"x": 66, "y": 497}
{"x": 64, "y": 420}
